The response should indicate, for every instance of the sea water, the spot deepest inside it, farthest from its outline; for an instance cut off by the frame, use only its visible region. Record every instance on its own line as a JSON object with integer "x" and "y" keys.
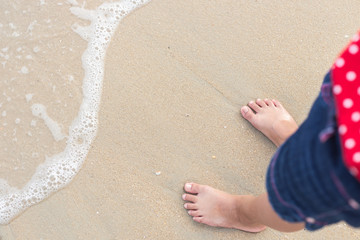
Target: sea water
{"x": 49, "y": 109}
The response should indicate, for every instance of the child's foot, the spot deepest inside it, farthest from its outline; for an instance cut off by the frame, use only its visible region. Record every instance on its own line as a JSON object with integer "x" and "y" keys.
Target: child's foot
{"x": 219, "y": 209}
{"x": 270, "y": 118}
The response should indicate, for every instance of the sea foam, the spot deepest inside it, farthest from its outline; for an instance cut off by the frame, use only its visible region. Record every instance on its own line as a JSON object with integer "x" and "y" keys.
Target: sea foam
{"x": 58, "y": 170}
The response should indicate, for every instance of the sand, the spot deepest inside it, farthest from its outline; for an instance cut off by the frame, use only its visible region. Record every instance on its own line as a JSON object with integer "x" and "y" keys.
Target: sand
{"x": 176, "y": 75}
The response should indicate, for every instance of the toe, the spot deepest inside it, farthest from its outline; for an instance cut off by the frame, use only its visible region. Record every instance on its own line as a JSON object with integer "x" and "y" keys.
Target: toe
{"x": 198, "y": 219}
{"x": 190, "y": 206}
{"x": 269, "y": 102}
{"x": 260, "y": 102}
{"x": 254, "y": 106}
{"x": 190, "y": 198}
{"x": 194, "y": 213}
{"x": 193, "y": 187}
{"x": 277, "y": 103}
{"x": 247, "y": 113}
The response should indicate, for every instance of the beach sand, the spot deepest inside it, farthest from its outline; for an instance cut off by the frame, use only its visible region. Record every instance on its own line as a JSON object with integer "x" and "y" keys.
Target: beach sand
{"x": 176, "y": 75}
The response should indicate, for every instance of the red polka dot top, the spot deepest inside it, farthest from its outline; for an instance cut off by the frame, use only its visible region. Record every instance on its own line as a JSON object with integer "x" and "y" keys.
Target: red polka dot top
{"x": 346, "y": 89}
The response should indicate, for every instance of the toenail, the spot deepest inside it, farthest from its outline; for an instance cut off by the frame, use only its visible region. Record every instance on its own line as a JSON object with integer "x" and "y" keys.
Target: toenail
{"x": 183, "y": 196}
{"x": 245, "y": 109}
{"x": 251, "y": 102}
{"x": 185, "y": 205}
{"x": 188, "y": 186}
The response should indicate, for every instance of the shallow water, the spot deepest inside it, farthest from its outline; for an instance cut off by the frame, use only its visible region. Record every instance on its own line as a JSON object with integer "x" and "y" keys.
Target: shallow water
{"x": 52, "y": 56}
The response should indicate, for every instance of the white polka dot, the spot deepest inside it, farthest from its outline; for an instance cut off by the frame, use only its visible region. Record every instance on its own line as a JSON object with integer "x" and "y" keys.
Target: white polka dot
{"x": 351, "y": 76}
{"x": 354, "y": 204}
{"x": 356, "y": 157}
{"x": 353, "y": 171}
{"x": 340, "y": 62}
{"x": 342, "y": 129}
{"x": 358, "y": 90}
{"x": 355, "y": 117}
{"x": 348, "y": 103}
{"x": 337, "y": 89}
{"x": 353, "y": 49}
{"x": 310, "y": 220}
{"x": 356, "y": 38}
{"x": 350, "y": 143}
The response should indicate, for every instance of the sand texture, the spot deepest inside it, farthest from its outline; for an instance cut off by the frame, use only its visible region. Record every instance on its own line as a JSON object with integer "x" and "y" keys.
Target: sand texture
{"x": 176, "y": 75}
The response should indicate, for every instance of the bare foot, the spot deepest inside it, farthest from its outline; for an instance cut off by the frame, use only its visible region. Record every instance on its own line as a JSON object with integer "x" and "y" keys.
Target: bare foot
{"x": 219, "y": 209}
{"x": 271, "y": 119}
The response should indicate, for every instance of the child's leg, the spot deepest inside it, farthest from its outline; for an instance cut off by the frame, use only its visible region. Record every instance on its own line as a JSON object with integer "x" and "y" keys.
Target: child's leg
{"x": 267, "y": 216}
{"x": 220, "y": 209}
{"x": 248, "y": 213}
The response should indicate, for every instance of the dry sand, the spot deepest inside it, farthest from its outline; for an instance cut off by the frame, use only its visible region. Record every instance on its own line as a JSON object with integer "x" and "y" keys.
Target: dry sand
{"x": 176, "y": 75}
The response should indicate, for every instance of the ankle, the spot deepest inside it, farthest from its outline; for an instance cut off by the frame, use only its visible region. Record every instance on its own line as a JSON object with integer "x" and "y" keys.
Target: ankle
{"x": 283, "y": 130}
{"x": 245, "y": 210}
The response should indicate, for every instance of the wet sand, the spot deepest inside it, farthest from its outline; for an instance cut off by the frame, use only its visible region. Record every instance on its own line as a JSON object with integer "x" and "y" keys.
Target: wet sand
{"x": 176, "y": 75}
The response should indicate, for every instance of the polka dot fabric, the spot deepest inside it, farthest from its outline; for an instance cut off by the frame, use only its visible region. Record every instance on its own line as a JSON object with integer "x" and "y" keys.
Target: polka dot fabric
{"x": 346, "y": 89}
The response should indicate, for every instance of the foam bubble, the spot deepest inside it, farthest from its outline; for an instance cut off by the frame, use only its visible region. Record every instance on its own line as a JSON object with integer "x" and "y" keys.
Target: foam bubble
{"x": 24, "y": 70}
{"x": 36, "y": 49}
{"x": 12, "y": 26}
{"x": 31, "y": 27}
{"x": 39, "y": 111}
{"x": 71, "y": 78}
{"x": 15, "y": 34}
{"x": 73, "y": 2}
{"x": 29, "y": 97}
{"x": 58, "y": 170}
{"x": 33, "y": 123}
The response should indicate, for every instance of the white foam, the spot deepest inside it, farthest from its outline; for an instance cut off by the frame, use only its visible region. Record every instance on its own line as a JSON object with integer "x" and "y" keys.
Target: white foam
{"x": 15, "y": 34}
{"x": 33, "y": 123}
{"x": 24, "y": 70}
{"x": 39, "y": 111}
{"x": 29, "y": 97}
{"x": 58, "y": 170}
{"x": 12, "y": 26}
{"x": 73, "y": 2}
{"x": 71, "y": 78}
{"x": 31, "y": 26}
{"x": 36, "y": 49}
